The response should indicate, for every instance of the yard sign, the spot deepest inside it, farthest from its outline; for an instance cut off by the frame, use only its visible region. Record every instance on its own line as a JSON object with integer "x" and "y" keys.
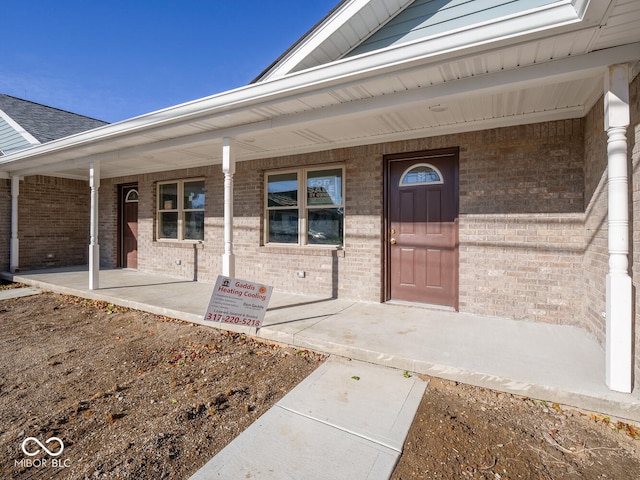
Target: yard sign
{"x": 238, "y": 302}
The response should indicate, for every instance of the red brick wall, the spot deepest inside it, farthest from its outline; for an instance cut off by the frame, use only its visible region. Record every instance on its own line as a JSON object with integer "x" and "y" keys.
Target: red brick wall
{"x": 521, "y": 198}
{"x": 185, "y": 260}
{"x": 53, "y": 225}
{"x": 596, "y": 256}
{"x": 521, "y": 223}
{"x": 5, "y": 224}
{"x": 528, "y": 169}
{"x": 353, "y": 272}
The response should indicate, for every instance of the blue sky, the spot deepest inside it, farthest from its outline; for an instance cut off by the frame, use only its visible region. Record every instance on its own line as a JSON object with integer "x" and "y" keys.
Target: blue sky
{"x": 117, "y": 59}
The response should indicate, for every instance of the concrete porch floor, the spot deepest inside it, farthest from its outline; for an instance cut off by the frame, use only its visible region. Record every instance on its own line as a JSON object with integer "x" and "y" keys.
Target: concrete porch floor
{"x": 549, "y": 362}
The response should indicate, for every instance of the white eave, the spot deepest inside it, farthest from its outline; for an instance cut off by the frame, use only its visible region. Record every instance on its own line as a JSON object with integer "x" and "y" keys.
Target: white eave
{"x": 492, "y": 81}
{"x": 354, "y": 20}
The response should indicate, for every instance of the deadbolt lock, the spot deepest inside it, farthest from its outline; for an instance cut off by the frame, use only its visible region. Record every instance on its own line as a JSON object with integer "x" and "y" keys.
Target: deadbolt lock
{"x": 393, "y": 231}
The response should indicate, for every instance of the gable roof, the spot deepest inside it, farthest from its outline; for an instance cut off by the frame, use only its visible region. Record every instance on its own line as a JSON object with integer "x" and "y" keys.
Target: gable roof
{"x": 544, "y": 64}
{"x": 35, "y": 123}
{"x": 361, "y": 27}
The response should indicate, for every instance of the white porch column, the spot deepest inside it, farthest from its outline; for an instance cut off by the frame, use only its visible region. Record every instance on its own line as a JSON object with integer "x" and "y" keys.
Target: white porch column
{"x": 619, "y": 341}
{"x": 94, "y": 248}
{"x": 229, "y": 169}
{"x": 14, "y": 255}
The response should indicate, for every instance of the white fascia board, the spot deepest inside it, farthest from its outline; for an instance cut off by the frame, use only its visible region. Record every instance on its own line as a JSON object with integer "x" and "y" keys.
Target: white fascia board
{"x": 35, "y": 165}
{"x": 593, "y": 11}
{"x": 455, "y": 42}
{"x": 18, "y": 128}
{"x": 556, "y": 14}
{"x": 337, "y": 73}
{"x": 331, "y": 25}
{"x": 553, "y": 71}
{"x": 342, "y": 16}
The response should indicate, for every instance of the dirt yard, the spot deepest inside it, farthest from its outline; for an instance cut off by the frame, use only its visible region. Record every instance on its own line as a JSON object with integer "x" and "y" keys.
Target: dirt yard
{"x": 134, "y": 395}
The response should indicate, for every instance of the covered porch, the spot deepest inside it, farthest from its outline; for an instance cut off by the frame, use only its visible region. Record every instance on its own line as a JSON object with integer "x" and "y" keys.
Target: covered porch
{"x": 555, "y": 363}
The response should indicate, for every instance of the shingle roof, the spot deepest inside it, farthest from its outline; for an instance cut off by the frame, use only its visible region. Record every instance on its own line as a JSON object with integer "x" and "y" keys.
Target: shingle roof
{"x": 46, "y": 123}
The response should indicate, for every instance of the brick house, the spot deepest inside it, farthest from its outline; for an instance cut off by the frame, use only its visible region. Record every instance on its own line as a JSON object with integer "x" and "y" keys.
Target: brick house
{"x": 25, "y": 124}
{"x": 474, "y": 158}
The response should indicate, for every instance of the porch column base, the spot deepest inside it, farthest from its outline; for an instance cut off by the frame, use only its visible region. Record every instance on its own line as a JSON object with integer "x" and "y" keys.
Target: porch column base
{"x": 15, "y": 249}
{"x": 94, "y": 267}
{"x": 229, "y": 265}
{"x": 619, "y": 343}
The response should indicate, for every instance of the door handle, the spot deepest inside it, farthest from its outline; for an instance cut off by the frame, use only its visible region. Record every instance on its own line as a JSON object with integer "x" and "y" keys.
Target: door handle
{"x": 392, "y": 241}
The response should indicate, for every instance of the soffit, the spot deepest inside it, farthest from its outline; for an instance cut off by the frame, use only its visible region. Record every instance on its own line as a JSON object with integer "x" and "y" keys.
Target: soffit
{"x": 556, "y": 77}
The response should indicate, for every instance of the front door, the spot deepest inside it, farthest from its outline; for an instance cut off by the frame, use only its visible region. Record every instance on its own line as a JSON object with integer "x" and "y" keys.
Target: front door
{"x": 422, "y": 236}
{"x": 129, "y": 226}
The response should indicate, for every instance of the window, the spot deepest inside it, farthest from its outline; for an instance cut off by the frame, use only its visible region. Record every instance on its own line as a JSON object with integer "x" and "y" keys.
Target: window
{"x": 422, "y": 174}
{"x": 305, "y": 206}
{"x": 132, "y": 196}
{"x": 181, "y": 210}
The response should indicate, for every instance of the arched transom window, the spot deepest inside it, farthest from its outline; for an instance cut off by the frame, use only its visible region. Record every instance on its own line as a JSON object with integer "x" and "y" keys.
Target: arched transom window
{"x": 132, "y": 196}
{"x": 421, "y": 174}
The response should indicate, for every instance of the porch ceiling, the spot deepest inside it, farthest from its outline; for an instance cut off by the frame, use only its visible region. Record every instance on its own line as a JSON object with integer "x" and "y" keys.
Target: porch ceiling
{"x": 357, "y": 102}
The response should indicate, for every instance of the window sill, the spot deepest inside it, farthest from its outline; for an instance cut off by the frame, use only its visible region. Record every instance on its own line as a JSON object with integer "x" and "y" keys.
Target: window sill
{"x": 179, "y": 243}
{"x": 306, "y": 250}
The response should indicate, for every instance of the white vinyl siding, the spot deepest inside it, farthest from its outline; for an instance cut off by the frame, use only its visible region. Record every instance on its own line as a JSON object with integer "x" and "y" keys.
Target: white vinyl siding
{"x": 10, "y": 139}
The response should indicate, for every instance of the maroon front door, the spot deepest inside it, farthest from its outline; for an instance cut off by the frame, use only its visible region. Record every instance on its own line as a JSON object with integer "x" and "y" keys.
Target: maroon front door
{"x": 129, "y": 226}
{"x": 422, "y": 236}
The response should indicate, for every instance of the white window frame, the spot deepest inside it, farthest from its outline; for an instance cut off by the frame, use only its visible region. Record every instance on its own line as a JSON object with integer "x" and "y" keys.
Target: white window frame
{"x": 440, "y": 180}
{"x": 180, "y": 210}
{"x": 302, "y": 206}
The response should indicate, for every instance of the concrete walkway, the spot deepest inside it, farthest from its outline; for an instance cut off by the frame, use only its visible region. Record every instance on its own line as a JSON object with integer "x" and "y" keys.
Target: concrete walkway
{"x": 555, "y": 363}
{"x": 348, "y": 419}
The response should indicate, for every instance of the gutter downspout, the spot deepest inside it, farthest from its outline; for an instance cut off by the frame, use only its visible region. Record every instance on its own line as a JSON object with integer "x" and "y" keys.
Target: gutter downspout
{"x": 619, "y": 331}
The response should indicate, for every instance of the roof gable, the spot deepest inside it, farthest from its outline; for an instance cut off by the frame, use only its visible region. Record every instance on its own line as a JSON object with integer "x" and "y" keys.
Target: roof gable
{"x": 37, "y": 123}
{"x": 345, "y": 27}
{"x": 357, "y": 27}
{"x": 12, "y": 136}
{"x": 425, "y": 18}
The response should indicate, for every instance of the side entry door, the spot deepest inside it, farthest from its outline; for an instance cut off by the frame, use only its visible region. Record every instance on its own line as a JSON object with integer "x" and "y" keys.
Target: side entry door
{"x": 129, "y": 226}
